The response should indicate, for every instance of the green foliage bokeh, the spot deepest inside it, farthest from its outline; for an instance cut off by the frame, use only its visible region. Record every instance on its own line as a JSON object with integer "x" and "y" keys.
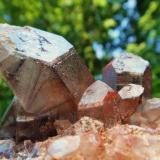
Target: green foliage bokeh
{"x": 83, "y": 22}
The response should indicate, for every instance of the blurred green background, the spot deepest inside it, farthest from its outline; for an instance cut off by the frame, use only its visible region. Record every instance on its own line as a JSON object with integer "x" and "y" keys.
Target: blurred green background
{"x": 99, "y": 30}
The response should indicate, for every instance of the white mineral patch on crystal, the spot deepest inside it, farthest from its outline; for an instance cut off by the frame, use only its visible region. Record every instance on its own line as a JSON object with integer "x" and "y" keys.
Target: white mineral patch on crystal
{"x": 24, "y": 119}
{"x": 64, "y": 146}
{"x": 32, "y": 42}
{"x": 131, "y": 63}
{"x": 131, "y": 91}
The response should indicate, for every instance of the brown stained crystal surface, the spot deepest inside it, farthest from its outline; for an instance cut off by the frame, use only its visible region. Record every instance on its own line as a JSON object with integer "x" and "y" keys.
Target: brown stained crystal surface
{"x": 100, "y": 101}
{"x": 128, "y": 68}
{"x": 43, "y": 69}
{"x": 131, "y": 98}
{"x": 122, "y": 142}
{"x": 60, "y": 113}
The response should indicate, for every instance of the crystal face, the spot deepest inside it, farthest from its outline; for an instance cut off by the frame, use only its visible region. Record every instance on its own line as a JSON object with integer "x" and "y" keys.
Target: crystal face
{"x": 32, "y": 42}
{"x": 130, "y": 63}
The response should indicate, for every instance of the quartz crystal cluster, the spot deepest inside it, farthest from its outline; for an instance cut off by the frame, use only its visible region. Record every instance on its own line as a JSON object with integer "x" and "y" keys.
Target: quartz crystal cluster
{"x": 59, "y": 112}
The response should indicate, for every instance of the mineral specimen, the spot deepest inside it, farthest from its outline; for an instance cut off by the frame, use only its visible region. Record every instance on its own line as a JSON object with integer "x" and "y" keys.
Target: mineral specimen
{"x": 128, "y": 68}
{"x": 42, "y": 68}
{"x": 46, "y": 75}
{"x": 100, "y": 101}
{"x": 53, "y": 88}
{"x": 122, "y": 142}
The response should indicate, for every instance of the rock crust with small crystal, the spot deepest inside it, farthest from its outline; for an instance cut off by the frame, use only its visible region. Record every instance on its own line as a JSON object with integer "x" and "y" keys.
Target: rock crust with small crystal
{"x": 49, "y": 79}
{"x": 148, "y": 114}
{"x": 119, "y": 142}
{"x": 131, "y": 98}
{"x": 85, "y": 124}
{"x": 128, "y": 68}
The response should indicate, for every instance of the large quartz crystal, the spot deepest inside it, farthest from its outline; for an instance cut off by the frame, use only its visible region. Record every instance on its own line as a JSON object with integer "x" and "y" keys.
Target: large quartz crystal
{"x": 100, "y": 101}
{"x": 47, "y": 77}
{"x": 43, "y": 69}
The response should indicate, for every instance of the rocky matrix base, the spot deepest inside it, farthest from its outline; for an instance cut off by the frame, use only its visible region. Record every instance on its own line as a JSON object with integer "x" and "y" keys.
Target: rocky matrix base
{"x": 60, "y": 112}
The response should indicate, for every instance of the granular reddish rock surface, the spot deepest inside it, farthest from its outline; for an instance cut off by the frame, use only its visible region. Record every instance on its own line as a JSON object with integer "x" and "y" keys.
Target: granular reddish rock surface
{"x": 148, "y": 114}
{"x": 122, "y": 142}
